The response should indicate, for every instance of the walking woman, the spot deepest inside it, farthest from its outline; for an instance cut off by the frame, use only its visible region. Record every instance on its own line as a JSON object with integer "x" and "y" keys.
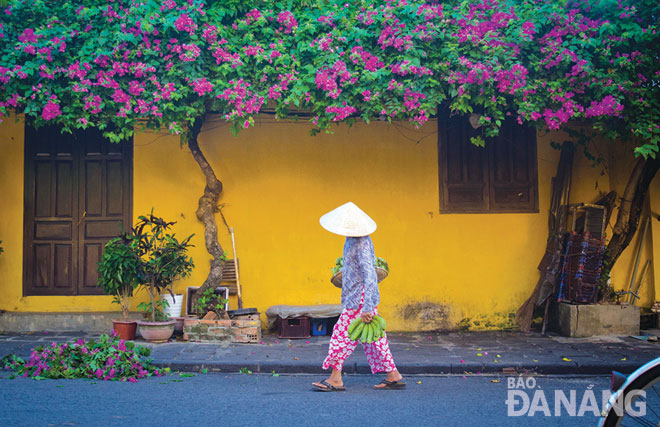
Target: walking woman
{"x": 359, "y": 298}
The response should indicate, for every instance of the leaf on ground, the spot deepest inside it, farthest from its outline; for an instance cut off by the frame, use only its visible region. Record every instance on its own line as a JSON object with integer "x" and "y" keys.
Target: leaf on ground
{"x": 566, "y": 359}
{"x": 186, "y": 375}
{"x": 176, "y": 381}
{"x": 494, "y": 381}
{"x": 204, "y": 371}
{"x": 479, "y": 354}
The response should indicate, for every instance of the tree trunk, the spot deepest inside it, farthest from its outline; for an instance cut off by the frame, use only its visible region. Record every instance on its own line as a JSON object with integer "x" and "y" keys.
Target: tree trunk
{"x": 153, "y": 303}
{"x": 630, "y": 211}
{"x": 206, "y": 209}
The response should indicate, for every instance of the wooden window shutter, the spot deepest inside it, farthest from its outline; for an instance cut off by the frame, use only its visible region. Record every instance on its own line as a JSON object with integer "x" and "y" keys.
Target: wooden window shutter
{"x": 463, "y": 169}
{"x": 502, "y": 177}
{"x": 513, "y": 172}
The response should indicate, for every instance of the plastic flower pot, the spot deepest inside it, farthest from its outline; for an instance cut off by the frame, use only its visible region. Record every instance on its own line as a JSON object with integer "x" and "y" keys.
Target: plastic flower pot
{"x": 125, "y": 328}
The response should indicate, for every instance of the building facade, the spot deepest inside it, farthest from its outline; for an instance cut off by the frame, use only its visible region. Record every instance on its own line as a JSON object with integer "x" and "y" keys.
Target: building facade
{"x": 462, "y": 228}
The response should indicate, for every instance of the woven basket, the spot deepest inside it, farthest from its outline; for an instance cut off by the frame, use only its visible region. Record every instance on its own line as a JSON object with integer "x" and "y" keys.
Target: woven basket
{"x": 337, "y": 278}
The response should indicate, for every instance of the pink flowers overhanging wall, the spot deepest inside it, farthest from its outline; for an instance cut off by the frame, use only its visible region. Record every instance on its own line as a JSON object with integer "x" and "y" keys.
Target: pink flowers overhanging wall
{"x": 117, "y": 64}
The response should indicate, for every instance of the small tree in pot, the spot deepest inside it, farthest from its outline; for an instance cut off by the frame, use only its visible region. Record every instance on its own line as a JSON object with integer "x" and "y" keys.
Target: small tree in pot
{"x": 118, "y": 276}
{"x": 161, "y": 260}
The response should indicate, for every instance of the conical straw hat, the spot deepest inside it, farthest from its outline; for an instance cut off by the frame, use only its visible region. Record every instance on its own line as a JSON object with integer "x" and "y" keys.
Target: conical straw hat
{"x": 348, "y": 220}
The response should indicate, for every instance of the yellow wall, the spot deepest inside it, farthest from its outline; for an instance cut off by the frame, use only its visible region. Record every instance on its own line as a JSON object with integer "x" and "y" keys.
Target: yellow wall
{"x": 278, "y": 181}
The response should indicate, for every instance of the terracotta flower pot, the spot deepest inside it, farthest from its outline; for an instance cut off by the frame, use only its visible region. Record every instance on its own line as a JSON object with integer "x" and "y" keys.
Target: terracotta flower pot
{"x": 125, "y": 328}
{"x": 178, "y": 326}
{"x": 156, "y": 331}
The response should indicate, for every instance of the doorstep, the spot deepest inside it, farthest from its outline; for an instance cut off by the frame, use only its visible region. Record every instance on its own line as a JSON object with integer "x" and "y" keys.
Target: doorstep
{"x": 89, "y": 322}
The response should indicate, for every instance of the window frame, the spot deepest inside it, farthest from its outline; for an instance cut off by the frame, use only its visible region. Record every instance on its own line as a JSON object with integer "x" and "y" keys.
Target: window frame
{"x": 487, "y": 205}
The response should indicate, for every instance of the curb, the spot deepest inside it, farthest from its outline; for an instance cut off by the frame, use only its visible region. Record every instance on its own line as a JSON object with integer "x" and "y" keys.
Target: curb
{"x": 438, "y": 369}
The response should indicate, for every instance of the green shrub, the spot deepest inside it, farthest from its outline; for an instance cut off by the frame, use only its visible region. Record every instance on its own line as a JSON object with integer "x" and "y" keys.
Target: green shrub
{"x": 118, "y": 272}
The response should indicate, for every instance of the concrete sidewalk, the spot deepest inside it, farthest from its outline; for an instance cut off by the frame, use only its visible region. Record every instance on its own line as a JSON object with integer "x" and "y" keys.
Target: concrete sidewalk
{"x": 414, "y": 353}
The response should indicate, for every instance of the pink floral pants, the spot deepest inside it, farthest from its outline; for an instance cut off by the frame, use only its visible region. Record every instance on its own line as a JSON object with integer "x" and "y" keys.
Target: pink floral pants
{"x": 341, "y": 346}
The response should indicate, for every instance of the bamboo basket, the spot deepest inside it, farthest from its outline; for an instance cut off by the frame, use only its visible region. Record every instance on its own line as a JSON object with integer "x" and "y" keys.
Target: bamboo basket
{"x": 337, "y": 278}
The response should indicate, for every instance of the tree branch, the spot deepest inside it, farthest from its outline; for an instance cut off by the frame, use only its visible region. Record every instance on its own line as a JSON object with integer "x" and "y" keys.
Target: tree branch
{"x": 632, "y": 204}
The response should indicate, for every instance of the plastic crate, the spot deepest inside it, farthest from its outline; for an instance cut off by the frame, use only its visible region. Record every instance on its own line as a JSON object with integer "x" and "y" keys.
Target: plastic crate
{"x": 319, "y": 327}
{"x": 581, "y": 268}
{"x": 293, "y": 327}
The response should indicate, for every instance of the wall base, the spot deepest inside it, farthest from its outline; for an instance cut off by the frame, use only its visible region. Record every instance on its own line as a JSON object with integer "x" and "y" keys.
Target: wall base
{"x": 597, "y": 319}
{"x": 59, "y": 322}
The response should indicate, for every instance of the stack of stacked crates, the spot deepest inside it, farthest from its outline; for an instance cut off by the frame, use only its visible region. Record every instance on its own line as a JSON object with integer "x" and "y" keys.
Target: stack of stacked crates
{"x": 583, "y": 259}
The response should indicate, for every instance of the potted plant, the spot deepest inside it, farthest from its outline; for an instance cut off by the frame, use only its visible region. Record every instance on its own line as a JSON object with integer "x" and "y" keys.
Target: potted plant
{"x": 118, "y": 276}
{"x": 211, "y": 301}
{"x": 214, "y": 322}
{"x": 162, "y": 260}
{"x": 172, "y": 305}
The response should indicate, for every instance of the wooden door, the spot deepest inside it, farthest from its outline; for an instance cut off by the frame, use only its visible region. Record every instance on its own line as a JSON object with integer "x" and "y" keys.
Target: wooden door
{"x": 78, "y": 192}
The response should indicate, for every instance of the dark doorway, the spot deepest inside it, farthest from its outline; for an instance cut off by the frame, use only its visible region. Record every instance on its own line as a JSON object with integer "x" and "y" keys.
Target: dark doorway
{"x": 78, "y": 195}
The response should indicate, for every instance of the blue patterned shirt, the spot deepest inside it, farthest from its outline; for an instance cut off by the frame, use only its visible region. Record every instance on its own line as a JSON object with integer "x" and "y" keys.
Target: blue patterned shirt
{"x": 359, "y": 274}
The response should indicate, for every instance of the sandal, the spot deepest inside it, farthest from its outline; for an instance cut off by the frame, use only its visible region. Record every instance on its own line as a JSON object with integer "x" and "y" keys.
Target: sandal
{"x": 328, "y": 387}
{"x": 391, "y": 385}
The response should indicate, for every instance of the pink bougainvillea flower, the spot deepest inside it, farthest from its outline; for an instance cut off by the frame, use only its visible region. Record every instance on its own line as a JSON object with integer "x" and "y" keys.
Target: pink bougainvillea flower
{"x": 202, "y": 86}
{"x": 185, "y": 23}
{"x": 28, "y": 36}
{"x": 50, "y": 111}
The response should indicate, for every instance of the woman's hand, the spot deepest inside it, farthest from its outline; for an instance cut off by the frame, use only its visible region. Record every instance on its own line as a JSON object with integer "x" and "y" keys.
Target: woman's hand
{"x": 366, "y": 317}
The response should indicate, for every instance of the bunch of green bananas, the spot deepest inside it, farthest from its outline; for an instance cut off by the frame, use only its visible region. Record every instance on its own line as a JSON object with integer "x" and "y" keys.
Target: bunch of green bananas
{"x": 367, "y": 332}
{"x": 339, "y": 264}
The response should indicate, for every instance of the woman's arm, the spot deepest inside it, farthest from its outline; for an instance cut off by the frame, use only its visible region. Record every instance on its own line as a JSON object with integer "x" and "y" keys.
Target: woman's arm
{"x": 367, "y": 271}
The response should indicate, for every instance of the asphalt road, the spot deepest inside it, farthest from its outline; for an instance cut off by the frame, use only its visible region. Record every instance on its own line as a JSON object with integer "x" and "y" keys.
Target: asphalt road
{"x": 248, "y": 399}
